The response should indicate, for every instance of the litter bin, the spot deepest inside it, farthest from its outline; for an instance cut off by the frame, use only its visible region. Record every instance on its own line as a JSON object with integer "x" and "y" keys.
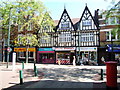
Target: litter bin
{"x": 111, "y": 72}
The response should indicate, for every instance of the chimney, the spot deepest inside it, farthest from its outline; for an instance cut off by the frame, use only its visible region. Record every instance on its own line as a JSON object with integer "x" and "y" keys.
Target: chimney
{"x": 96, "y": 17}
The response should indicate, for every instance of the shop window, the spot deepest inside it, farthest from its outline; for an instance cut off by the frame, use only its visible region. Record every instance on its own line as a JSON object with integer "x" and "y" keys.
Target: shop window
{"x": 21, "y": 54}
{"x": 47, "y": 56}
{"x": 63, "y": 56}
{"x": 30, "y": 54}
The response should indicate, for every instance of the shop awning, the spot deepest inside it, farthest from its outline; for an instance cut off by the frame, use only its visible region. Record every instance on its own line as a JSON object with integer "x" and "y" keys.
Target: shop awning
{"x": 113, "y": 48}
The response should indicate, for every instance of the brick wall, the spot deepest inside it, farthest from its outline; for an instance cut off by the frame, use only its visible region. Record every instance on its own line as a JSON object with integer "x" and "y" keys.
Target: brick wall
{"x": 102, "y": 36}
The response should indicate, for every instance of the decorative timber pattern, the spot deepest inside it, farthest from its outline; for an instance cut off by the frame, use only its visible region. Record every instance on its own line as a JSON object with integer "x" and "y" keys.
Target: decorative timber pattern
{"x": 87, "y": 27}
{"x": 65, "y": 33}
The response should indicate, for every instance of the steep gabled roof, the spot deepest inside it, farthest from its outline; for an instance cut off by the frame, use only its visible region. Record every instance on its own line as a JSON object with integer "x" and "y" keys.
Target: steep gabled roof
{"x": 86, "y": 16}
{"x": 64, "y": 12}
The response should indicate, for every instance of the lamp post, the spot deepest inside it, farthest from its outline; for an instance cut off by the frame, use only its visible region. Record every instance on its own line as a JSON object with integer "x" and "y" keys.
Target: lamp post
{"x": 8, "y": 43}
{"x": 111, "y": 48}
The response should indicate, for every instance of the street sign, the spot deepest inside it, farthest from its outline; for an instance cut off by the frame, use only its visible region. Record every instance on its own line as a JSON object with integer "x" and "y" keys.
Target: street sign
{"x": 9, "y": 49}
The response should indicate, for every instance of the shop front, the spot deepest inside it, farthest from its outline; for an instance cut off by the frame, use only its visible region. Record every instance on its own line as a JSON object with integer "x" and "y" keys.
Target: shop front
{"x": 21, "y": 54}
{"x": 87, "y": 55}
{"x": 45, "y": 55}
{"x": 64, "y": 55}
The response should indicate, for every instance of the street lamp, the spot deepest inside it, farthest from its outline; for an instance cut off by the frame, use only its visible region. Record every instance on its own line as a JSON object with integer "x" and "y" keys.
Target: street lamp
{"x": 8, "y": 44}
{"x": 111, "y": 48}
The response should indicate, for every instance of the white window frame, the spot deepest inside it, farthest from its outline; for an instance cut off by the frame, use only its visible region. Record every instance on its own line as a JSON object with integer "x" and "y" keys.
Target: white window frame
{"x": 116, "y": 36}
{"x": 87, "y": 37}
{"x": 45, "y": 39}
{"x": 86, "y": 22}
{"x": 65, "y": 37}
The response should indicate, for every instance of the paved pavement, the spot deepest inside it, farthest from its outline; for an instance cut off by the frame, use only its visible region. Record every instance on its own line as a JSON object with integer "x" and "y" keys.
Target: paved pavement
{"x": 53, "y": 76}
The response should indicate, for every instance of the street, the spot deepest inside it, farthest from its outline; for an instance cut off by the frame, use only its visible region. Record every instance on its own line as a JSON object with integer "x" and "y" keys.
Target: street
{"x": 52, "y": 76}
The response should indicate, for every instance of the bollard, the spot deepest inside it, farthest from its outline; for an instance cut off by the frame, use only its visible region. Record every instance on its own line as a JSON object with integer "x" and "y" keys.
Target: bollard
{"x": 22, "y": 65}
{"x": 35, "y": 71}
{"x": 34, "y": 66}
{"x": 111, "y": 72}
{"x": 101, "y": 74}
{"x": 21, "y": 76}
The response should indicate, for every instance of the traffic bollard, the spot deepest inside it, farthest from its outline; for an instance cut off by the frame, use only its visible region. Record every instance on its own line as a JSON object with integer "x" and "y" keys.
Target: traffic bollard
{"x": 21, "y": 76}
{"x": 101, "y": 74}
{"x": 35, "y": 71}
{"x": 34, "y": 66}
{"x": 22, "y": 65}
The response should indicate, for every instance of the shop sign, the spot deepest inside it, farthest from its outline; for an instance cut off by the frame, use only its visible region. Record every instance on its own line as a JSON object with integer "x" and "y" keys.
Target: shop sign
{"x": 24, "y": 49}
{"x": 19, "y": 49}
{"x": 65, "y": 49}
{"x": 31, "y": 49}
{"x": 87, "y": 49}
{"x": 114, "y": 48}
{"x": 45, "y": 49}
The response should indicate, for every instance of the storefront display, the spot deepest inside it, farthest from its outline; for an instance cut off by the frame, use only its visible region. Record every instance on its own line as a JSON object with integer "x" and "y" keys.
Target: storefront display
{"x": 45, "y": 55}
{"x": 21, "y": 53}
{"x": 88, "y": 55}
{"x": 64, "y": 55}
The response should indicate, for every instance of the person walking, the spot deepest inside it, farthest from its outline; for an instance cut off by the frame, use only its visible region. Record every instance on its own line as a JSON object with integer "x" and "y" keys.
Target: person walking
{"x": 74, "y": 60}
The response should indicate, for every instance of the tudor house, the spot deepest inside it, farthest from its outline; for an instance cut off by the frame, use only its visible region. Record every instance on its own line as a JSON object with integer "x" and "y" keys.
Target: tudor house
{"x": 67, "y": 40}
{"x": 87, "y": 37}
{"x": 45, "y": 52}
{"x": 64, "y": 39}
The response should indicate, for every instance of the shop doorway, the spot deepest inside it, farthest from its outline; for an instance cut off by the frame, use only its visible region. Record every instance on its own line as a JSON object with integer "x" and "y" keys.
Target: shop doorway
{"x": 71, "y": 57}
{"x": 88, "y": 58}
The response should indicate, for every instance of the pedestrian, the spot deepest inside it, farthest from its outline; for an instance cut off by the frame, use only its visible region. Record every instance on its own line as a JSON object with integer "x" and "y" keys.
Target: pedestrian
{"x": 74, "y": 60}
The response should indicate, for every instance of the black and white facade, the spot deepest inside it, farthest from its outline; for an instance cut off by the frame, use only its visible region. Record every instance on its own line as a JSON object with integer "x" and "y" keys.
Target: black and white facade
{"x": 87, "y": 37}
{"x": 67, "y": 40}
{"x": 64, "y": 39}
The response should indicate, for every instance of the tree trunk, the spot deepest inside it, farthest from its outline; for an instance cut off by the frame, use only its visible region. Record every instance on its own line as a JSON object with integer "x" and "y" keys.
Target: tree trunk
{"x": 27, "y": 54}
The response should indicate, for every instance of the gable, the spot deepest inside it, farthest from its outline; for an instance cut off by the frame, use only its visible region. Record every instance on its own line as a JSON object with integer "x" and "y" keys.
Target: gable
{"x": 65, "y": 23}
{"x": 87, "y": 22}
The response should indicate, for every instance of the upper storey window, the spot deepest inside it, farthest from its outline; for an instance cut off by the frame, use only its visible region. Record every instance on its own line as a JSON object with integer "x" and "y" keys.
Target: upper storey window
{"x": 65, "y": 25}
{"x": 86, "y": 22}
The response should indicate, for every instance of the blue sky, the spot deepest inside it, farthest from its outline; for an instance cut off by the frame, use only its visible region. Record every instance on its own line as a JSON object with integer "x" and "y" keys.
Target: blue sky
{"x": 74, "y": 7}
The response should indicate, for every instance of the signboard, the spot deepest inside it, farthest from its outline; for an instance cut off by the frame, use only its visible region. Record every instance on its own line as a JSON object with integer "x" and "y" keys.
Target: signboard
{"x": 45, "y": 49}
{"x": 114, "y": 48}
{"x": 24, "y": 49}
{"x": 65, "y": 49}
{"x": 31, "y": 49}
{"x": 87, "y": 49}
{"x": 19, "y": 49}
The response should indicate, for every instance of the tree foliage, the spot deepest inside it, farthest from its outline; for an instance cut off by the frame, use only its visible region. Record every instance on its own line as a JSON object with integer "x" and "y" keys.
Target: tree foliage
{"x": 23, "y": 14}
{"x": 114, "y": 12}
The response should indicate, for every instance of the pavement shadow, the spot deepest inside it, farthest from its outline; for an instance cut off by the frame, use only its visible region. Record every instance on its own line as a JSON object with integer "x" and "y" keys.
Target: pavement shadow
{"x": 54, "y": 85}
{"x": 20, "y": 86}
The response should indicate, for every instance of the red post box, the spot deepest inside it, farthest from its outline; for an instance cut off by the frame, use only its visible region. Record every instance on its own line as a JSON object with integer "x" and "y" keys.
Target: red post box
{"x": 111, "y": 72}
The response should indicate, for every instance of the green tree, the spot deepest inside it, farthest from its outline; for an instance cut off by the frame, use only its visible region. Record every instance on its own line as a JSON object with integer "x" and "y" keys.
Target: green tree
{"x": 114, "y": 12}
{"x": 24, "y": 14}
